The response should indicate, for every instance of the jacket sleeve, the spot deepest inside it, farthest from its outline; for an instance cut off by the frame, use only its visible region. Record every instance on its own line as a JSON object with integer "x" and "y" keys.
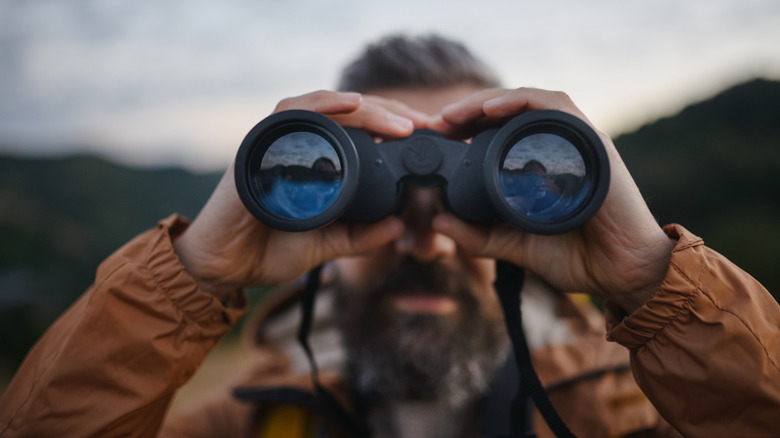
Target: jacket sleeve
{"x": 705, "y": 348}
{"x": 110, "y": 364}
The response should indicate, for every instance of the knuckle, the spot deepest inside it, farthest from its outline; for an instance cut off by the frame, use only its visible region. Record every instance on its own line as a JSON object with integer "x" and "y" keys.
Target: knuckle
{"x": 562, "y": 97}
{"x": 284, "y": 104}
{"x": 524, "y": 90}
{"x": 310, "y": 100}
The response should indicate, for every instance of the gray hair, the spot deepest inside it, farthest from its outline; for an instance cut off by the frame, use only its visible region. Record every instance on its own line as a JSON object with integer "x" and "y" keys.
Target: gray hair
{"x": 400, "y": 61}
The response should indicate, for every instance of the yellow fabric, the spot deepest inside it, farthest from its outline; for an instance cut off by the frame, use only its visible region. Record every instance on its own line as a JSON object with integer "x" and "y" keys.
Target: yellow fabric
{"x": 289, "y": 422}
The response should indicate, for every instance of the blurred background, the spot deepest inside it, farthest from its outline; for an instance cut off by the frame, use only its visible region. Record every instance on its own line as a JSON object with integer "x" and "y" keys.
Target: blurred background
{"x": 114, "y": 114}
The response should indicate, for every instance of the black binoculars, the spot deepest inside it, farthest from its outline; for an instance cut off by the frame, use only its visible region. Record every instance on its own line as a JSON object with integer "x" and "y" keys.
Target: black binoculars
{"x": 545, "y": 172}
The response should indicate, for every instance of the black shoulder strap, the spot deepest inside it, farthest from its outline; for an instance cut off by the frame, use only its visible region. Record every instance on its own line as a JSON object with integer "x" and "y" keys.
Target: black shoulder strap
{"x": 509, "y": 282}
{"x": 321, "y": 401}
{"x": 333, "y": 409}
{"x": 498, "y": 405}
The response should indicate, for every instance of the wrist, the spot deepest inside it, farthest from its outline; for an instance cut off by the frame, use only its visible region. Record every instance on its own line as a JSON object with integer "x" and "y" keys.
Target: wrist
{"x": 202, "y": 268}
{"x": 656, "y": 257}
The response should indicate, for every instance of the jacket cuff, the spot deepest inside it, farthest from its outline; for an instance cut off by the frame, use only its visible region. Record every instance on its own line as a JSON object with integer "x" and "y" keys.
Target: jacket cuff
{"x": 670, "y": 302}
{"x": 173, "y": 279}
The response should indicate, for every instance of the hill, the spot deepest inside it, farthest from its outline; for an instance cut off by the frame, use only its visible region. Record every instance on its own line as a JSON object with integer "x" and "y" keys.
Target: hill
{"x": 59, "y": 218}
{"x": 715, "y": 168}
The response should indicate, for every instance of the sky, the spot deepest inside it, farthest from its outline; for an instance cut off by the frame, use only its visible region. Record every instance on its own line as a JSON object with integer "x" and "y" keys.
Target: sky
{"x": 180, "y": 82}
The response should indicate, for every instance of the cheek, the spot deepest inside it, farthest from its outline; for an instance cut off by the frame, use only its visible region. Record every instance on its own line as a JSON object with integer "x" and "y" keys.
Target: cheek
{"x": 349, "y": 270}
{"x": 482, "y": 271}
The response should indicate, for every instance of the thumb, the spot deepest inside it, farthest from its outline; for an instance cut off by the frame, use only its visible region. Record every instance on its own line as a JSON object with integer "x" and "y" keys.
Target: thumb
{"x": 500, "y": 241}
{"x": 348, "y": 239}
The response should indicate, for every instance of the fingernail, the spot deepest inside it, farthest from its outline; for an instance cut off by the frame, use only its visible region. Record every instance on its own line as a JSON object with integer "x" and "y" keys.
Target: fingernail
{"x": 492, "y": 102}
{"x": 449, "y": 108}
{"x": 350, "y": 95}
{"x": 403, "y": 123}
{"x": 496, "y": 107}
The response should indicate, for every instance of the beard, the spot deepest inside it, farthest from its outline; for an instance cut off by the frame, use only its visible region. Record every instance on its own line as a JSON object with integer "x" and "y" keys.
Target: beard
{"x": 395, "y": 355}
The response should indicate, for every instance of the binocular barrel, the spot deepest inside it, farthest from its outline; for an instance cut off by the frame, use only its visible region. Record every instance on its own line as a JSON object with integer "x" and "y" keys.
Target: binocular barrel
{"x": 546, "y": 172}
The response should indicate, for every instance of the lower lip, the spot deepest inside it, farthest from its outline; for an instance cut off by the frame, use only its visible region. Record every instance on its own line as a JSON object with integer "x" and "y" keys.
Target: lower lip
{"x": 430, "y": 304}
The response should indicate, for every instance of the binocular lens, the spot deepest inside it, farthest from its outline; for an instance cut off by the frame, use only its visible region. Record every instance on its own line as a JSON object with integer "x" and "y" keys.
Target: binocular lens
{"x": 543, "y": 178}
{"x": 299, "y": 176}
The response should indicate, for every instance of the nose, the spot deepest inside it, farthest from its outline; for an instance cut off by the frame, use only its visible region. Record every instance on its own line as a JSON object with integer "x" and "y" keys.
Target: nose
{"x": 419, "y": 240}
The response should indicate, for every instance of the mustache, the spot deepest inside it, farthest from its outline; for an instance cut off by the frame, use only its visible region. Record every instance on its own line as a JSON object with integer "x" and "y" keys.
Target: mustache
{"x": 410, "y": 277}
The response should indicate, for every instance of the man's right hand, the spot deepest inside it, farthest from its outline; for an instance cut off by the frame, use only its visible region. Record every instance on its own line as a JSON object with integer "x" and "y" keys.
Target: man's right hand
{"x": 226, "y": 248}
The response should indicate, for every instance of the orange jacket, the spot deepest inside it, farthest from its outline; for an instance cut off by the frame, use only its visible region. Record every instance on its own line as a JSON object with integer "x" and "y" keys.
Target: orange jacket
{"x": 705, "y": 350}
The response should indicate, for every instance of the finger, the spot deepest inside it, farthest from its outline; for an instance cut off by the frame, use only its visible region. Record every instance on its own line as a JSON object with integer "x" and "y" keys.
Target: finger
{"x": 459, "y": 131}
{"x": 323, "y": 101}
{"x": 368, "y": 237}
{"x": 349, "y": 239}
{"x": 468, "y": 130}
{"x": 530, "y": 99}
{"x": 469, "y": 109}
{"x": 466, "y": 118}
{"x": 419, "y": 118}
{"x": 377, "y": 120}
{"x": 499, "y": 241}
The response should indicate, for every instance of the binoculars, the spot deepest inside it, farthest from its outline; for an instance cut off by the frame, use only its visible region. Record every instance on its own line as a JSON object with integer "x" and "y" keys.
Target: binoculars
{"x": 544, "y": 171}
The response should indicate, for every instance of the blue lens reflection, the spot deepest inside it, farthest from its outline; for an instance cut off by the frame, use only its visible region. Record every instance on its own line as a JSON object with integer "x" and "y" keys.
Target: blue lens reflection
{"x": 543, "y": 178}
{"x": 300, "y": 200}
{"x": 300, "y": 176}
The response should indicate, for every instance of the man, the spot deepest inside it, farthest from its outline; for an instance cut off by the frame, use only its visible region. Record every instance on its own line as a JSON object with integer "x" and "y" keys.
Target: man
{"x": 413, "y": 297}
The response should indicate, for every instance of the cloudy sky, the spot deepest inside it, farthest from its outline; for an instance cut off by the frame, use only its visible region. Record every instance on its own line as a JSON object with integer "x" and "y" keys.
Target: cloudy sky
{"x": 153, "y": 82}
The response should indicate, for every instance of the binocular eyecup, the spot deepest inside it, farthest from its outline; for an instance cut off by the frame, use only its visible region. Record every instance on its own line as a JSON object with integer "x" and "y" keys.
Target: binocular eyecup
{"x": 545, "y": 172}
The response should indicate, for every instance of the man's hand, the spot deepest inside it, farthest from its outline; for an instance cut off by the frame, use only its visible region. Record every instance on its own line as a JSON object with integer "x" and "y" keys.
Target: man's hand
{"x": 621, "y": 254}
{"x": 226, "y": 248}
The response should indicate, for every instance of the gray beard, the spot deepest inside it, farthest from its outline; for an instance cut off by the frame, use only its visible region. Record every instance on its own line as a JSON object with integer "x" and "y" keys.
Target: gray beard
{"x": 394, "y": 356}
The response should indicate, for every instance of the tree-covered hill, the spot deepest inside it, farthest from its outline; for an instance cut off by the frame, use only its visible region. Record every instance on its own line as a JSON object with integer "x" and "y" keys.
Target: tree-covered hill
{"x": 59, "y": 217}
{"x": 715, "y": 168}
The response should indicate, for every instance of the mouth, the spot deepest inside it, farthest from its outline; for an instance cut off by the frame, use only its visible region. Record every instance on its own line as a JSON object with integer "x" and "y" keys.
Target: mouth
{"x": 414, "y": 288}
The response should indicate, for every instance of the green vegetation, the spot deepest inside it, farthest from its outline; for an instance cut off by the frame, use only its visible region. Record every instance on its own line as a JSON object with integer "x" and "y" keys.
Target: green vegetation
{"x": 713, "y": 168}
{"x": 59, "y": 218}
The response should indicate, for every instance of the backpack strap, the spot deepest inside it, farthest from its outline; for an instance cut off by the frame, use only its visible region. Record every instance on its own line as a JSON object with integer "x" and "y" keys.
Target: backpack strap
{"x": 508, "y": 284}
{"x": 334, "y": 410}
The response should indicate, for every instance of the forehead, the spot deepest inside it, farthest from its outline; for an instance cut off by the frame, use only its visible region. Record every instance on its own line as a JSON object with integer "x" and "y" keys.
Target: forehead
{"x": 428, "y": 100}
